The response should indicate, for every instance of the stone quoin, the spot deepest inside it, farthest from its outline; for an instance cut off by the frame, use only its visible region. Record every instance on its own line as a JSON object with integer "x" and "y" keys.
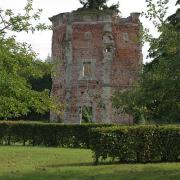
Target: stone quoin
{"x": 95, "y": 54}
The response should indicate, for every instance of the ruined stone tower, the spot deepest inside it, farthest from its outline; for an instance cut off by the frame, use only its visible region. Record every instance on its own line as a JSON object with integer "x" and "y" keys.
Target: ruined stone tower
{"x": 96, "y": 54}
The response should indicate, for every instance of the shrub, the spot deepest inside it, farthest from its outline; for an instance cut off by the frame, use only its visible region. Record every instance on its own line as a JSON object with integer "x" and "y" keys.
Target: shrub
{"x": 136, "y": 143}
{"x": 46, "y": 134}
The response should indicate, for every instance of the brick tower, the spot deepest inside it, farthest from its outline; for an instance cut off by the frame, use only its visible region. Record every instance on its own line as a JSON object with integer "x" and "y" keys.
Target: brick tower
{"x": 96, "y": 54}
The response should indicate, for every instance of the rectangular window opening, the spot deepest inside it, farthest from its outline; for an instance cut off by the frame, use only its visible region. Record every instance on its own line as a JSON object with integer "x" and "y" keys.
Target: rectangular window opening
{"x": 87, "y": 71}
{"x": 126, "y": 37}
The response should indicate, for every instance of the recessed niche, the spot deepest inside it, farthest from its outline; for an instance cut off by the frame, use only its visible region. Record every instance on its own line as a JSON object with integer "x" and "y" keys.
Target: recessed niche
{"x": 87, "y": 35}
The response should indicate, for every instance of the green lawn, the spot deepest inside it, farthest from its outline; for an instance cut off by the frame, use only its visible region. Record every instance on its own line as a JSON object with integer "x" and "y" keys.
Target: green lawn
{"x": 37, "y": 163}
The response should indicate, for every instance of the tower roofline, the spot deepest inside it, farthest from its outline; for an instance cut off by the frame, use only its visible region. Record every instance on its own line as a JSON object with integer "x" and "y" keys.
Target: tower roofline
{"x": 91, "y": 16}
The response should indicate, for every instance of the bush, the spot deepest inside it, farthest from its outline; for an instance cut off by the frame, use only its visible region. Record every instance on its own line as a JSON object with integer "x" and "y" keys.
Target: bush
{"x": 136, "y": 143}
{"x": 46, "y": 134}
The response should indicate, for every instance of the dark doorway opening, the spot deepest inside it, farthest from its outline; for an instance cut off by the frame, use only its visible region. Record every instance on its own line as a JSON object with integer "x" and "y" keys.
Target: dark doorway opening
{"x": 86, "y": 114}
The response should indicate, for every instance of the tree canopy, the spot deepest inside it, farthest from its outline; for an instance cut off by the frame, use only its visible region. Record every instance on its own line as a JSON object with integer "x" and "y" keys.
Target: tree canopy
{"x": 18, "y": 63}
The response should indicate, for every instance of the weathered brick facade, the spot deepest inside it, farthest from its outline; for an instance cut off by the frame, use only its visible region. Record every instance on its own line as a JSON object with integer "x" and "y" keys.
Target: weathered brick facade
{"x": 96, "y": 54}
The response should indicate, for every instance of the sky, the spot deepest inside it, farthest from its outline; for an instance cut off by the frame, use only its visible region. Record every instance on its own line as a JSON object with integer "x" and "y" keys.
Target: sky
{"x": 41, "y": 41}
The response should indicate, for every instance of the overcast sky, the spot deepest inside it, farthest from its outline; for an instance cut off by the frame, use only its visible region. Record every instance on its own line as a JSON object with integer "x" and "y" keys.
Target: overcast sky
{"x": 41, "y": 41}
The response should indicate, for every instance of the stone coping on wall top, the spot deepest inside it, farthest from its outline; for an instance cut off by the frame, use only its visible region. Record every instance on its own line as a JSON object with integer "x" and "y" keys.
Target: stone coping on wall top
{"x": 82, "y": 13}
{"x": 91, "y": 17}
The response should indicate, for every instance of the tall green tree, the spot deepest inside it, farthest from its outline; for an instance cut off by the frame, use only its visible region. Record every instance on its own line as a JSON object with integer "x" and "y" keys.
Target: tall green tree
{"x": 156, "y": 96}
{"x": 18, "y": 63}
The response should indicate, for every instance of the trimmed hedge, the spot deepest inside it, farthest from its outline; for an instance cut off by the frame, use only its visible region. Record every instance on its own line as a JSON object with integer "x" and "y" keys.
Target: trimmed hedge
{"x": 122, "y": 143}
{"x": 46, "y": 134}
{"x": 136, "y": 143}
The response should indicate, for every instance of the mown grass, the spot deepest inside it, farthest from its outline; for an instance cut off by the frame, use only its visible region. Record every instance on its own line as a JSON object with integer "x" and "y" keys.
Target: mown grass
{"x": 38, "y": 163}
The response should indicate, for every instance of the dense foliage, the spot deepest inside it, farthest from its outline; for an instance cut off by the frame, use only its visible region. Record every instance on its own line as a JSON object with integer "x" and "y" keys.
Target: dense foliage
{"x": 156, "y": 96}
{"x": 136, "y": 143}
{"x": 18, "y": 63}
{"x": 46, "y": 134}
{"x": 39, "y": 85}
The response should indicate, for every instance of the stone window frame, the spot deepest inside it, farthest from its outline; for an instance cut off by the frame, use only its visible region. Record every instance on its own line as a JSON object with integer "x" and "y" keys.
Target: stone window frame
{"x": 108, "y": 38}
{"x": 108, "y": 48}
{"x": 125, "y": 37}
{"x": 87, "y": 69}
{"x": 88, "y": 36}
{"x": 93, "y": 69}
{"x": 93, "y": 105}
